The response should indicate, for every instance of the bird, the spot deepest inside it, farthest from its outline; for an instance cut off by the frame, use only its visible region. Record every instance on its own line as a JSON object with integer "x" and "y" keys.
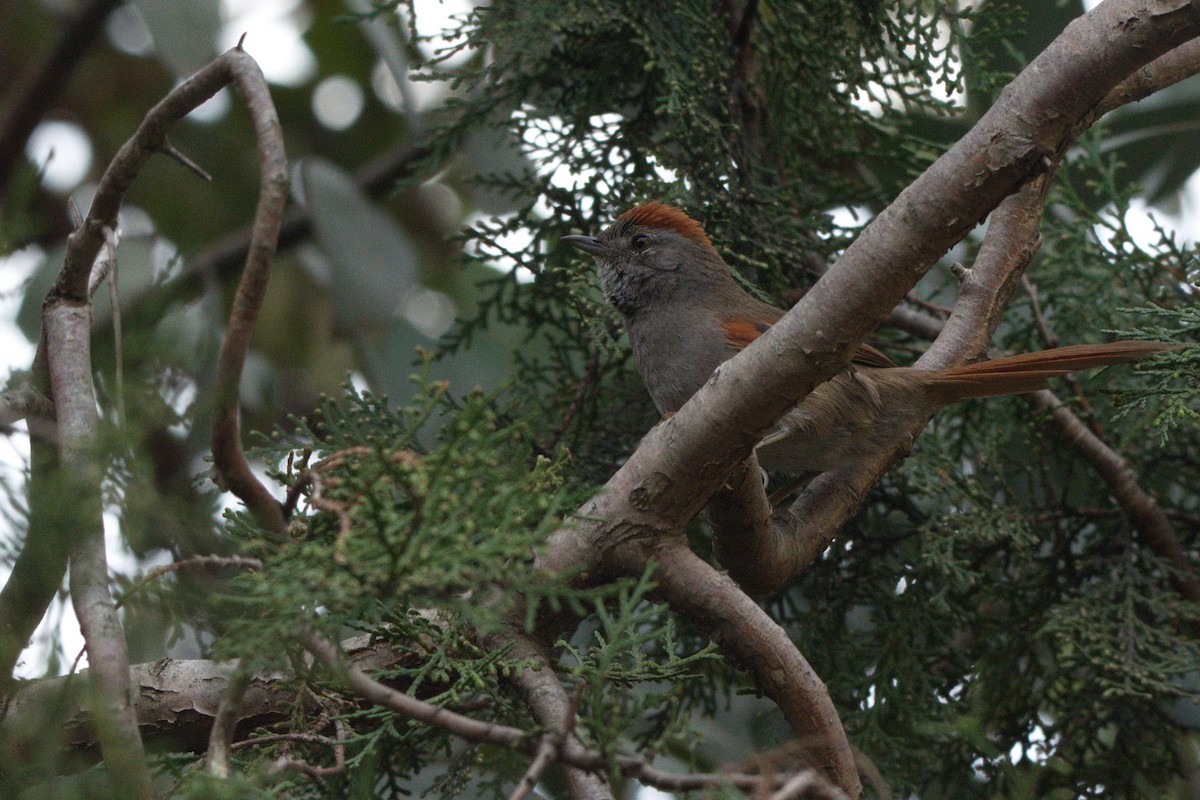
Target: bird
{"x": 685, "y": 315}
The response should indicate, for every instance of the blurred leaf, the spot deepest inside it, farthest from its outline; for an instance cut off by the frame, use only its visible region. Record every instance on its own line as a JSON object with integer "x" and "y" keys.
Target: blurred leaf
{"x": 372, "y": 262}
{"x": 486, "y": 363}
{"x": 185, "y": 33}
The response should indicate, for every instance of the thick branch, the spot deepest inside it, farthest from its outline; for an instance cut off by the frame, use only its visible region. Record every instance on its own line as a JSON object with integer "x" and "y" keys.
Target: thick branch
{"x": 767, "y": 552}
{"x": 177, "y": 700}
{"x": 68, "y": 332}
{"x": 770, "y": 552}
{"x": 682, "y": 461}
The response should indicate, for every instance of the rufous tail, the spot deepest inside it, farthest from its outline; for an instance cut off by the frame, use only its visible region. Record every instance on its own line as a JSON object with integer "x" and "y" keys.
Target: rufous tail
{"x": 1029, "y": 372}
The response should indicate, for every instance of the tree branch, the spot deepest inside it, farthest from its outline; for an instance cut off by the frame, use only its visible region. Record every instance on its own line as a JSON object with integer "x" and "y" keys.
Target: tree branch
{"x": 64, "y": 362}
{"x": 1139, "y": 507}
{"x": 220, "y": 739}
{"x": 24, "y": 401}
{"x": 547, "y": 752}
{"x": 32, "y": 93}
{"x": 67, "y": 327}
{"x": 683, "y": 460}
{"x": 1168, "y": 69}
{"x": 550, "y": 705}
{"x": 767, "y": 552}
{"x": 516, "y": 739}
{"x": 756, "y": 643}
{"x": 38, "y": 569}
{"x": 229, "y": 461}
{"x": 176, "y": 699}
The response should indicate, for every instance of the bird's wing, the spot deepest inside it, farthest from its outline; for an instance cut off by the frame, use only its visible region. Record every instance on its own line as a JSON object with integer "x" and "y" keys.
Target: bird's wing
{"x": 740, "y": 333}
{"x": 867, "y": 356}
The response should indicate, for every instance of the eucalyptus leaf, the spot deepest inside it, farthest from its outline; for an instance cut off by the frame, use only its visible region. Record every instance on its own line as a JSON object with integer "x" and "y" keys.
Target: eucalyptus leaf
{"x": 185, "y": 33}
{"x": 373, "y": 263}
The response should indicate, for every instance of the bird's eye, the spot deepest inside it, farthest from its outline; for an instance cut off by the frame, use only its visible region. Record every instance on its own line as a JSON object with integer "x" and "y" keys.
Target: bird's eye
{"x": 640, "y": 242}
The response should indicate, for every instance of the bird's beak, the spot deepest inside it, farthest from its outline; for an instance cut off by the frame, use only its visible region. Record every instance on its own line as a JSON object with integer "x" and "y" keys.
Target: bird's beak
{"x": 589, "y": 244}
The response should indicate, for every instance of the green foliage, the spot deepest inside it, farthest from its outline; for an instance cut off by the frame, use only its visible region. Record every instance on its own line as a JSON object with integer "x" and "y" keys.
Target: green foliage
{"x": 418, "y": 520}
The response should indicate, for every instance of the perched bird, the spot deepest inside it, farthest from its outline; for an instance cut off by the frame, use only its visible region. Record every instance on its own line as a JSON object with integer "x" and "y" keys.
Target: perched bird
{"x": 685, "y": 314}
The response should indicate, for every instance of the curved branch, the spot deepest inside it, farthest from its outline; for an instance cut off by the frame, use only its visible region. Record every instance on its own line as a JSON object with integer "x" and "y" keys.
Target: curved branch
{"x": 233, "y": 66}
{"x": 749, "y": 637}
{"x": 37, "y": 572}
{"x": 228, "y": 459}
{"x": 771, "y": 551}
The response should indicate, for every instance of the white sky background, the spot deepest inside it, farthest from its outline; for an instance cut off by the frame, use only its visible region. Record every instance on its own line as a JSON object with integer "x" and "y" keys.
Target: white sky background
{"x": 274, "y": 38}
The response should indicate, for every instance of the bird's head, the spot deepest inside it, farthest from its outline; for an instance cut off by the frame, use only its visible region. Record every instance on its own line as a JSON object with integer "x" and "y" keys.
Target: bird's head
{"x": 653, "y": 255}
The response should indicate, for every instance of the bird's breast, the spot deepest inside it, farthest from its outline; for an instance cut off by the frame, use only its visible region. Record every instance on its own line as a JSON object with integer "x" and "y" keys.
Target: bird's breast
{"x": 675, "y": 355}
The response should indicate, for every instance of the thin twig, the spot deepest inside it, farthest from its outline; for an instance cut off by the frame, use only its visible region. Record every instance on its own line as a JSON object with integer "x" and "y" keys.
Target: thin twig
{"x": 220, "y": 738}
{"x": 1038, "y": 318}
{"x": 549, "y": 747}
{"x": 252, "y": 564}
{"x": 516, "y": 739}
{"x": 1052, "y": 340}
{"x": 581, "y": 389}
{"x": 1139, "y": 506}
{"x": 171, "y": 151}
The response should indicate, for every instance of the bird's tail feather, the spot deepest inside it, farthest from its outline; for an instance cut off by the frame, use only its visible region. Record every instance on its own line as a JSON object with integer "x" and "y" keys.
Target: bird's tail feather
{"x": 1029, "y": 372}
